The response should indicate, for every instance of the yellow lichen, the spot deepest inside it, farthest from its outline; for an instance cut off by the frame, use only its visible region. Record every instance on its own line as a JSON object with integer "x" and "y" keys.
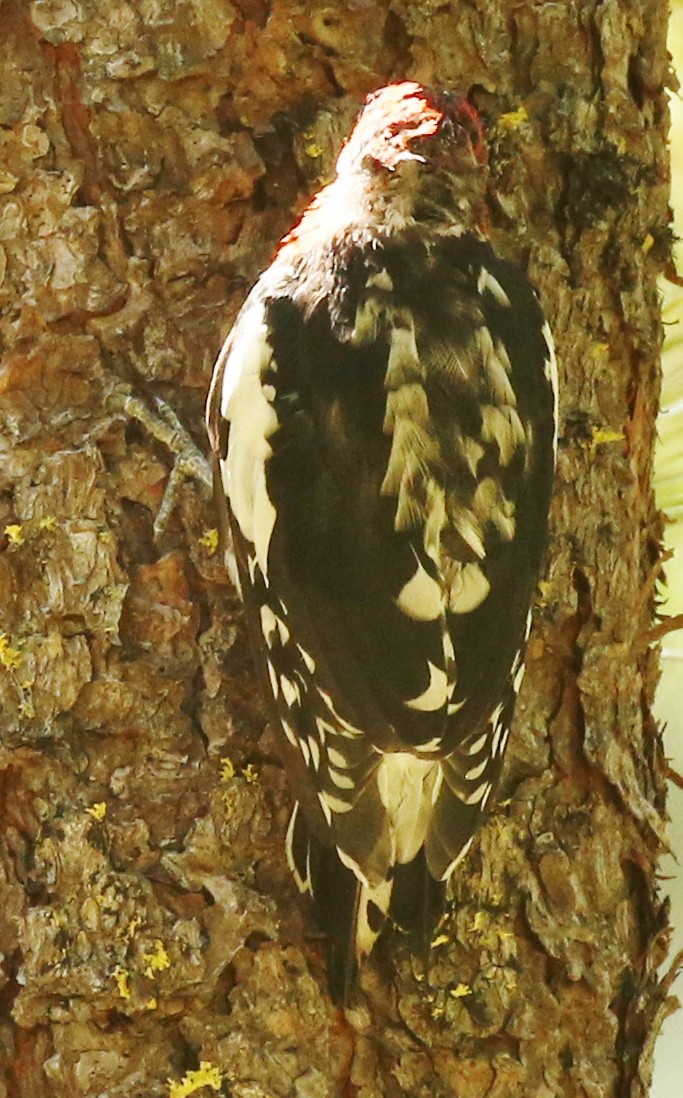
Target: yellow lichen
{"x": 312, "y": 149}
{"x": 133, "y": 927}
{"x": 511, "y": 120}
{"x": 156, "y": 961}
{"x": 479, "y": 922}
{"x": 600, "y": 350}
{"x": 9, "y": 657}
{"x": 98, "y": 810}
{"x": 15, "y": 533}
{"x": 206, "y": 1076}
{"x": 209, "y": 540}
{"x": 227, "y": 769}
{"x": 461, "y": 991}
{"x": 121, "y": 977}
{"x": 250, "y": 773}
{"x": 601, "y": 436}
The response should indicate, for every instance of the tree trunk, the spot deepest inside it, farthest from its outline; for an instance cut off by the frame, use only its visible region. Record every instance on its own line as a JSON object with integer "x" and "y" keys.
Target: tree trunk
{"x": 152, "y": 155}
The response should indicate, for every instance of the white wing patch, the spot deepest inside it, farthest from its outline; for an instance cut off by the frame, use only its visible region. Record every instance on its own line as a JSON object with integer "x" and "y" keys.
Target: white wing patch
{"x": 252, "y": 418}
{"x": 476, "y": 771}
{"x": 490, "y": 505}
{"x": 404, "y": 364}
{"x": 336, "y": 758}
{"x": 380, "y": 280}
{"x": 480, "y": 794}
{"x": 290, "y": 691}
{"x": 273, "y": 627}
{"x": 367, "y": 321}
{"x": 472, "y": 451}
{"x": 290, "y": 733}
{"x": 272, "y": 677}
{"x": 342, "y": 781}
{"x": 344, "y": 728}
{"x": 504, "y": 427}
{"x": 459, "y": 857}
{"x": 550, "y": 371}
{"x": 336, "y": 804}
{"x": 421, "y": 597}
{"x": 517, "y": 678}
{"x": 315, "y": 751}
{"x": 469, "y": 588}
{"x": 500, "y": 732}
{"x": 327, "y": 812}
{"x": 268, "y": 625}
{"x": 437, "y": 693}
{"x": 248, "y": 353}
{"x": 497, "y": 367}
{"x": 486, "y": 283}
{"x": 264, "y": 516}
{"x": 478, "y": 745}
{"x": 307, "y": 658}
{"x": 302, "y": 883}
{"x": 469, "y": 529}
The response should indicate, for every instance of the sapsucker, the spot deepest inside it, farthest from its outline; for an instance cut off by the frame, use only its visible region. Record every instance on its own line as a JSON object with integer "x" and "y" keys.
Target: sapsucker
{"x": 383, "y": 418}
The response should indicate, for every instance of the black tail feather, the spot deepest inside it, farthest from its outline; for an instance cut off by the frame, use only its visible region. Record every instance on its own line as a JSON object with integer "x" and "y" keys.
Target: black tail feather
{"x": 417, "y": 901}
{"x": 336, "y": 892}
{"x": 340, "y": 903}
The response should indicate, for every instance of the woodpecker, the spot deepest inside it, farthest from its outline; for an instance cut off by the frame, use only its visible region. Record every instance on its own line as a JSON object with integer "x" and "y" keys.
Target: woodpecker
{"x": 383, "y": 422}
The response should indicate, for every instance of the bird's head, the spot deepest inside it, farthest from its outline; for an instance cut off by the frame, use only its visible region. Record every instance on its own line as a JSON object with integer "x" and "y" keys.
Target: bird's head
{"x": 406, "y": 122}
{"x": 415, "y": 160}
{"x": 421, "y": 156}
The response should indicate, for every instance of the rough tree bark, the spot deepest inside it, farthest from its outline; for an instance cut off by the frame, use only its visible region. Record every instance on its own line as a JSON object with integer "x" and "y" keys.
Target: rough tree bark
{"x": 151, "y": 155}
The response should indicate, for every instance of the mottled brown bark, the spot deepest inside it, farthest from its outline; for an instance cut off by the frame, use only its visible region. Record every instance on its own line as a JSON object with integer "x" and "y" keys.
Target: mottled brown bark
{"x": 151, "y": 154}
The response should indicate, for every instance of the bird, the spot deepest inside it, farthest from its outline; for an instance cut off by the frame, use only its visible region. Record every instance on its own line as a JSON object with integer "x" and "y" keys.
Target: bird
{"x": 383, "y": 423}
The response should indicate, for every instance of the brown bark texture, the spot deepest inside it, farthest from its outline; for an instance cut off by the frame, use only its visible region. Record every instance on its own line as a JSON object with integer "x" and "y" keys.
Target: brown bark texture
{"x": 151, "y": 154}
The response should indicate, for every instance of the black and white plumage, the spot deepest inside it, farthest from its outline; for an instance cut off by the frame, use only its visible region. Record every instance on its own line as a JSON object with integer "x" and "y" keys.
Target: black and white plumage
{"x": 383, "y": 420}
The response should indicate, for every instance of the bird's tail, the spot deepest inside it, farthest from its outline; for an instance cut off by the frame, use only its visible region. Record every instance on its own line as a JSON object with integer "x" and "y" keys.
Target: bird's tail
{"x": 352, "y": 912}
